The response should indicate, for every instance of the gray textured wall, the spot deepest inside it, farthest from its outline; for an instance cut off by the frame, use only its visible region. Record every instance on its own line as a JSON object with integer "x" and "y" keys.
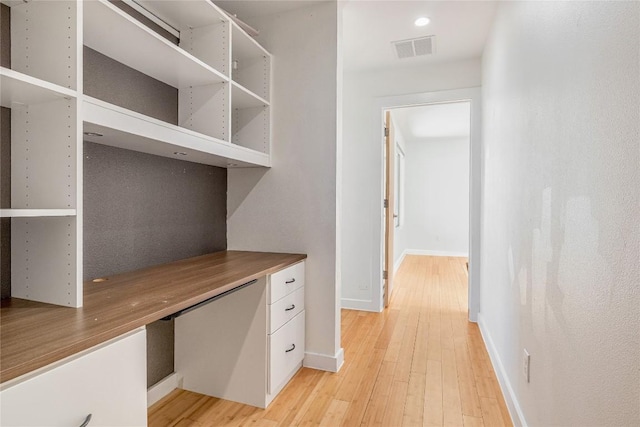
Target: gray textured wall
{"x": 142, "y": 210}
{"x": 5, "y": 36}
{"x": 118, "y": 84}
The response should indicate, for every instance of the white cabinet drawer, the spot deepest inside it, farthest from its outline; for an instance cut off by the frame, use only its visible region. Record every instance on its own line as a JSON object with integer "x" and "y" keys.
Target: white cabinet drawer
{"x": 286, "y": 351}
{"x": 108, "y": 381}
{"x": 285, "y": 281}
{"x": 285, "y": 309}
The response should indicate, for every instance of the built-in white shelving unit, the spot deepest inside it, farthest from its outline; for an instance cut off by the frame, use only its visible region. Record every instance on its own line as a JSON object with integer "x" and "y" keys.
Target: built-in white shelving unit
{"x": 41, "y": 88}
{"x": 223, "y": 80}
{"x": 220, "y": 121}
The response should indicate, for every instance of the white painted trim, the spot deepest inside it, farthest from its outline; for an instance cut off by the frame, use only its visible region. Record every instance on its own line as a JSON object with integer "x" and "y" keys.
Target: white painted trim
{"x": 163, "y": 387}
{"x": 398, "y": 263}
{"x": 360, "y": 304}
{"x": 473, "y": 95}
{"x": 517, "y": 416}
{"x": 429, "y": 252}
{"x": 324, "y": 362}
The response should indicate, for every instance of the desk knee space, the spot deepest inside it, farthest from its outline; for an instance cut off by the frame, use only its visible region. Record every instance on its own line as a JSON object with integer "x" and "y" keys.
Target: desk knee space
{"x": 240, "y": 347}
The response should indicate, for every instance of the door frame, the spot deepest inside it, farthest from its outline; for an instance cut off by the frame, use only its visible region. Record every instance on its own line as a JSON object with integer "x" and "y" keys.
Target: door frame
{"x": 472, "y": 95}
{"x": 388, "y": 210}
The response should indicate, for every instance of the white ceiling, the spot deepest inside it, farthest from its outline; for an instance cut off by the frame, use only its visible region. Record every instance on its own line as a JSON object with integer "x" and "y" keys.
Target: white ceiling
{"x": 460, "y": 27}
{"x": 248, "y": 9}
{"x": 439, "y": 121}
{"x": 369, "y": 27}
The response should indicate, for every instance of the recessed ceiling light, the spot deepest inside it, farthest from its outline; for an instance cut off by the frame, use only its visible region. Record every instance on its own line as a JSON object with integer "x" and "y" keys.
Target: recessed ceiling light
{"x": 422, "y": 21}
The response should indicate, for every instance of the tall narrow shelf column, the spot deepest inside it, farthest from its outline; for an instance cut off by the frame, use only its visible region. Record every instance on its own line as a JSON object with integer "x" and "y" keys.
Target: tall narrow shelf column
{"x": 251, "y": 75}
{"x": 41, "y": 90}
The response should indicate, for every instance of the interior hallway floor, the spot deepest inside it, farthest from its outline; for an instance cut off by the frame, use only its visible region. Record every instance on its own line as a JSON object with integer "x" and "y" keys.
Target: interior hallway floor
{"x": 418, "y": 363}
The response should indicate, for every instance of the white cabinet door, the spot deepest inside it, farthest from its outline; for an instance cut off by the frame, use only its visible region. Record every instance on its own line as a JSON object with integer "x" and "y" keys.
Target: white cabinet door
{"x": 108, "y": 381}
{"x": 286, "y": 351}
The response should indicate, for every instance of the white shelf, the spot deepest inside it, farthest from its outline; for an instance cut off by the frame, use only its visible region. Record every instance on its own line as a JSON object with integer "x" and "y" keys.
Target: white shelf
{"x": 127, "y": 129}
{"x": 21, "y": 89}
{"x": 117, "y": 35}
{"x": 36, "y": 213}
{"x": 242, "y": 97}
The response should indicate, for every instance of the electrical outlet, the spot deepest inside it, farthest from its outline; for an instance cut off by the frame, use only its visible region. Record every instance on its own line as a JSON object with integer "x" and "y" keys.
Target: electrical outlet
{"x": 526, "y": 360}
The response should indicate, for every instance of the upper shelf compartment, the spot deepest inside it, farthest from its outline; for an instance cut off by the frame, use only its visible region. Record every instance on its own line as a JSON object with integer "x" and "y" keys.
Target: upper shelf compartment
{"x": 119, "y": 36}
{"x": 203, "y": 28}
{"x": 44, "y": 40}
{"x": 250, "y": 63}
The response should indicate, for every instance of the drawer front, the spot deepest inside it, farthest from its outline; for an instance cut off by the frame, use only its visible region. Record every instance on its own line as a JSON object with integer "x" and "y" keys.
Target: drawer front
{"x": 286, "y": 350}
{"x": 108, "y": 382}
{"x": 285, "y": 281}
{"x": 285, "y": 309}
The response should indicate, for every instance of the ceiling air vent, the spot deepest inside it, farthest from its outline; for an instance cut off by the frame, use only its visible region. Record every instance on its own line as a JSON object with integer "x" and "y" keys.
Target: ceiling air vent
{"x": 415, "y": 47}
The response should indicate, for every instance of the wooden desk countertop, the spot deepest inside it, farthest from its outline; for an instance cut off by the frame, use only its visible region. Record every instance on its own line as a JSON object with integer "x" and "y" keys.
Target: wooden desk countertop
{"x": 33, "y": 335}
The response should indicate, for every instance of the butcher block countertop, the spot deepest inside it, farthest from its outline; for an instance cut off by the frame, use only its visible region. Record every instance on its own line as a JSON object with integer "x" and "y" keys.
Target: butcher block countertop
{"x": 33, "y": 335}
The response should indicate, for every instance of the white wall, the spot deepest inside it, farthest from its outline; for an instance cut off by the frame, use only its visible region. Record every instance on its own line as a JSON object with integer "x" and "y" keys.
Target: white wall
{"x": 362, "y": 165}
{"x": 437, "y": 196}
{"x": 292, "y": 206}
{"x": 561, "y": 244}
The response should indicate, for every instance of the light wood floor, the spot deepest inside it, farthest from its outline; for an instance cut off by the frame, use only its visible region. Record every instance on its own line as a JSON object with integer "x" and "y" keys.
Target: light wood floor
{"x": 419, "y": 363}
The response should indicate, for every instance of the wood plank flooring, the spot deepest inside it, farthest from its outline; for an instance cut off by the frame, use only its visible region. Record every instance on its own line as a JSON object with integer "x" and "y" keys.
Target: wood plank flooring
{"x": 419, "y": 363}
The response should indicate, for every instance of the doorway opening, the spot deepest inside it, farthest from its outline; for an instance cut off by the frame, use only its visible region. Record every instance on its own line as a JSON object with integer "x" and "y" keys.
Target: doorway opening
{"x": 427, "y": 180}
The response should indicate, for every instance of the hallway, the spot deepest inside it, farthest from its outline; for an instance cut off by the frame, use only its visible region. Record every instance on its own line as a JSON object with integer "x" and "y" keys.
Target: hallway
{"x": 420, "y": 362}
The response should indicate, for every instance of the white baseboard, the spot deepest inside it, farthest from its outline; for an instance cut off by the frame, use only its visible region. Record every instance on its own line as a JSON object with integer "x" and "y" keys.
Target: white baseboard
{"x": 517, "y": 416}
{"x": 324, "y": 362}
{"x": 398, "y": 263}
{"x": 359, "y": 304}
{"x": 163, "y": 388}
{"x": 434, "y": 253}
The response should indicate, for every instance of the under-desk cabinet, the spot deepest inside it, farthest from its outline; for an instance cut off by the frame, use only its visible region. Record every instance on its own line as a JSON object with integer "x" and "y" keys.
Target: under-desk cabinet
{"x": 246, "y": 346}
{"x": 103, "y": 386}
